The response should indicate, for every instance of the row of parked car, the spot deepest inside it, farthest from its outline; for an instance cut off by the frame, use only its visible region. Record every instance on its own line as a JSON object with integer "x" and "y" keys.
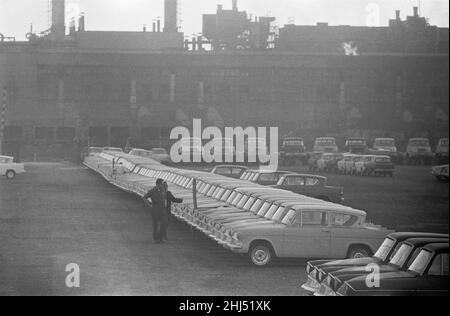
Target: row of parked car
{"x": 293, "y": 149}
{"x": 406, "y": 264}
{"x": 352, "y": 164}
{"x": 261, "y": 222}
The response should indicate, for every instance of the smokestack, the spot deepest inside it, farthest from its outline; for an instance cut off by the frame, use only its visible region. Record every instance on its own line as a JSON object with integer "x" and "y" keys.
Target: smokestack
{"x": 81, "y": 23}
{"x": 235, "y": 5}
{"x": 416, "y": 11}
{"x": 171, "y": 16}
{"x": 397, "y": 15}
{"x": 158, "y": 26}
{"x": 58, "y": 27}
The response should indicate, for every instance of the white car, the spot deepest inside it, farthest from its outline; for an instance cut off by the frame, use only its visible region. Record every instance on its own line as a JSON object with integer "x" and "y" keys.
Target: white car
{"x": 161, "y": 155}
{"x": 342, "y": 163}
{"x": 9, "y": 168}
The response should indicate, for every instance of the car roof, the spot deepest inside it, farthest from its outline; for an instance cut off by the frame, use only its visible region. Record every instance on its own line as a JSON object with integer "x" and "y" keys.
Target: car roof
{"x": 419, "y": 138}
{"x": 424, "y": 241}
{"x": 408, "y": 235}
{"x": 230, "y": 166}
{"x": 437, "y": 247}
{"x": 330, "y": 137}
{"x": 268, "y": 171}
{"x": 305, "y": 176}
{"x": 356, "y": 138}
{"x": 384, "y": 138}
{"x": 333, "y": 208}
{"x": 7, "y": 157}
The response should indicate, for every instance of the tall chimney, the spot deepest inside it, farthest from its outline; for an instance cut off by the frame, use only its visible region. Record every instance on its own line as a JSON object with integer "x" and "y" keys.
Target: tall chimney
{"x": 171, "y": 16}
{"x": 416, "y": 11}
{"x": 58, "y": 27}
{"x": 235, "y": 5}
{"x": 397, "y": 15}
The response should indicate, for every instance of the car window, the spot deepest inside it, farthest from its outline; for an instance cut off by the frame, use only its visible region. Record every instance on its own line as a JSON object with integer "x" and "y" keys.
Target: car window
{"x": 243, "y": 201}
{"x": 264, "y": 208}
{"x": 401, "y": 256}
{"x": 223, "y": 171}
{"x": 310, "y": 182}
{"x": 268, "y": 177}
{"x": 342, "y": 220}
{"x": 294, "y": 181}
{"x": 419, "y": 265}
{"x": 288, "y": 218}
{"x": 439, "y": 266}
{"x": 249, "y": 203}
{"x": 313, "y": 218}
{"x": 236, "y": 171}
{"x": 384, "y": 250}
{"x": 272, "y": 210}
{"x": 255, "y": 207}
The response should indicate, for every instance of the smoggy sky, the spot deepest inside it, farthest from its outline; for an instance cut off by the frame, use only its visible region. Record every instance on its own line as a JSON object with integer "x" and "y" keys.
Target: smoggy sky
{"x": 130, "y": 15}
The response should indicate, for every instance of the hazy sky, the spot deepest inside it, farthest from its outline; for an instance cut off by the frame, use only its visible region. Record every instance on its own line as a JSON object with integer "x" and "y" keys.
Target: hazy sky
{"x": 130, "y": 15}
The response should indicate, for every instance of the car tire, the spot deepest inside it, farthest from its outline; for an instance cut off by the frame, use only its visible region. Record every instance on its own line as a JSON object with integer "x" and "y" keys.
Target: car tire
{"x": 357, "y": 252}
{"x": 260, "y": 254}
{"x": 10, "y": 174}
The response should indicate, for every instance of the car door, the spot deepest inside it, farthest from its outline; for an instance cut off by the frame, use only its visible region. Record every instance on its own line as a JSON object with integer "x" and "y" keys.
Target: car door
{"x": 343, "y": 233}
{"x": 435, "y": 281}
{"x": 294, "y": 184}
{"x": 308, "y": 236}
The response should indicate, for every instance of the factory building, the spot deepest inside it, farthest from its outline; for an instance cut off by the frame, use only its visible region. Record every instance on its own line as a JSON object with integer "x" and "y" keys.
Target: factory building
{"x": 105, "y": 88}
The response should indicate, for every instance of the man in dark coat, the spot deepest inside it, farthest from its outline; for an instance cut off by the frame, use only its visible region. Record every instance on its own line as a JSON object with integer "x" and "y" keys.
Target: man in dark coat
{"x": 170, "y": 198}
{"x": 159, "y": 210}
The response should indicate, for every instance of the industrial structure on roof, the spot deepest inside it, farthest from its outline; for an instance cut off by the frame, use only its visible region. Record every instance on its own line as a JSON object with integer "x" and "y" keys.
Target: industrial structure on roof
{"x": 106, "y": 86}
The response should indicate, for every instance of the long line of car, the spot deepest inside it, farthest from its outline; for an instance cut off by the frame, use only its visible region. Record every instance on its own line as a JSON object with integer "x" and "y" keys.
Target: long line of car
{"x": 261, "y": 222}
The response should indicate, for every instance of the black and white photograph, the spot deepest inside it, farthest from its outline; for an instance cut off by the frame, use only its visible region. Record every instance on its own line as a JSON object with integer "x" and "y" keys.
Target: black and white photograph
{"x": 224, "y": 153}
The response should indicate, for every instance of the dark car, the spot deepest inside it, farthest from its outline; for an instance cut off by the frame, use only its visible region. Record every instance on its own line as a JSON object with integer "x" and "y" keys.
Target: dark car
{"x": 318, "y": 270}
{"x": 263, "y": 177}
{"x": 293, "y": 151}
{"x": 311, "y": 185}
{"x": 427, "y": 275}
{"x": 356, "y": 145}
{"x": 229, "y": 171}
{"x": 405, "y": 253}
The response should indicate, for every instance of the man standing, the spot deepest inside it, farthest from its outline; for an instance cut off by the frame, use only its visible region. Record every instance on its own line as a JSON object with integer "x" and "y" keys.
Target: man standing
{"x": 170, "y": 198}
{"x": 158, "y": 205}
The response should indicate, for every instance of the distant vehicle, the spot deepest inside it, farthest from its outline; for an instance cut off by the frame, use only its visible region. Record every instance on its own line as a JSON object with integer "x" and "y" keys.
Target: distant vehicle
{"x": 318, "y": 270}
{"x": 161, "y": 155}
{"x": 419, "y": 151}
{"x": 375, "y": 166}
{"x": 9, "y": 168}
{"x": 113, "y": 149}
{"x": 442, "y": 151}
{"x": 326, "y": 145}
{"x": 313, "y": 160}
{"x": 311, "y": 185}
{"x": 356, "y": 145}
{"x": 141, "y": 153}
{"x": 426, "y": 275}
{"x": 293, "y": 151}
{"x": 341, "y": 164}
{"x": 441, "y": 173}
{"x": 385, "y": 147}
{"x": 329, "y": 162}
{"x": 263, "y": 177}
{"x": 350, "y": 163}
{"x": 230, "y": 171}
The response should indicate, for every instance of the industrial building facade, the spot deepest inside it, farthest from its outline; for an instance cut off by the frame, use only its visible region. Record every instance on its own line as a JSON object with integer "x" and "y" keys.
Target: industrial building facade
{"x": 105, "y": 88}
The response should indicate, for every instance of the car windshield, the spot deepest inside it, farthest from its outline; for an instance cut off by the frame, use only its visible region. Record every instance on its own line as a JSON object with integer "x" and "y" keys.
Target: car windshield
{"x": 419, "y": 142}
{"x": 356, "y": 142}
{"x": 272, "y": 210}
{"x": 401, "y": 256}
{"x": 292, "y": 142}
{"x": 326, "y": 142}
{"x": 420, "y": 264}
{"x": 384, "y": 250}
{"x": 385, "y": 142}
{"x": 256, "y": 206}
{"x": 444, "y": 143}
{"x": 249, "y": 203}
{"x": 6, "y": 160}
{"x": 264, "y": 208}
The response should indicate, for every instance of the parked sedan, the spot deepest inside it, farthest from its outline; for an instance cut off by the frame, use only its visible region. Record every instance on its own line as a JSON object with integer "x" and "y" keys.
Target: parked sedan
{"x": 311, "y": 185}
{"x": 9, "y": 168}
{"x": 263, "y": 177}
{"x": 329, "y": 162}
{"x": 441, "y": 173}
{"x": 404, "y": 255}
{"x": 326, "y": 145}
{"x": 356, "y": 145}
{"x": 318, "y": 270}
{"x": 427, "y": 275}
{"x": 327, "y": 231}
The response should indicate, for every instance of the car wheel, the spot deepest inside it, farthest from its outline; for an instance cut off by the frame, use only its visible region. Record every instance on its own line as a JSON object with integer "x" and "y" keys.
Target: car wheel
{"x": 358, "y": 252}
{"x": 260, "y": 255}
{"x": 10, "y": 174}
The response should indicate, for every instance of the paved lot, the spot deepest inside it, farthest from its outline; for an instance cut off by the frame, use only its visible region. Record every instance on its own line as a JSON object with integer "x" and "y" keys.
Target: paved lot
{"x": 59, "y": 214}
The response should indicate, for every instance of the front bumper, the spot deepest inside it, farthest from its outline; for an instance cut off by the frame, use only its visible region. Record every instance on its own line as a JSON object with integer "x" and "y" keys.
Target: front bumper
{"x": 311, "y": 285}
